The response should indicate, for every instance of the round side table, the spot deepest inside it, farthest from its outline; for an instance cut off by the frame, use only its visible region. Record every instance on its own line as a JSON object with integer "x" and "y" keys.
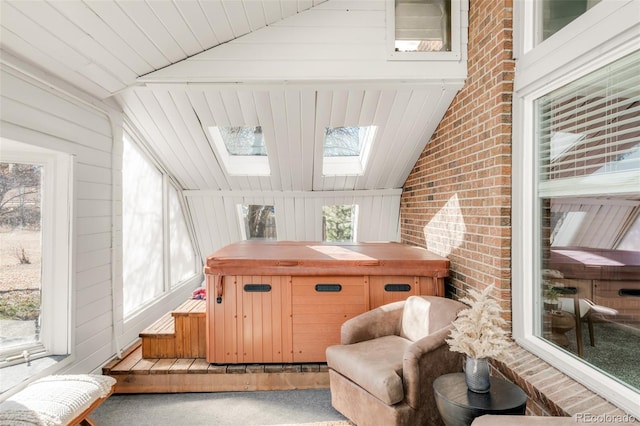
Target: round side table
{"x": 458, "y": 406}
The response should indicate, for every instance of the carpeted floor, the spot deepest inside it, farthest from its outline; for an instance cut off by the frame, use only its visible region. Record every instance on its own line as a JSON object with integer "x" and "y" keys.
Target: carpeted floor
{"x": 221, "y": 409}
{"x": 616, "y": 350}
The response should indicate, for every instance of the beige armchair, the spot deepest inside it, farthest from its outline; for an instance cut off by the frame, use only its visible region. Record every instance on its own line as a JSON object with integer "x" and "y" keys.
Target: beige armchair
{"x": 382, "y": 373}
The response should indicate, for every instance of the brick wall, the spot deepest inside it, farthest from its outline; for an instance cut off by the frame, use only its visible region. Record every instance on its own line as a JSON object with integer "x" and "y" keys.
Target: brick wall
{"x": 457, "y": 199}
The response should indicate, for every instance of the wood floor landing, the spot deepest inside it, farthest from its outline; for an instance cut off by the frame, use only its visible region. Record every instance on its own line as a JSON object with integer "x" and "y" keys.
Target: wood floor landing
{"x": 135, "y": 374}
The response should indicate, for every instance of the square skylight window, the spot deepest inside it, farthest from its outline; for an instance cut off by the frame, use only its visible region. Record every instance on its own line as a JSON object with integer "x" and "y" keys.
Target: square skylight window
{"x": 346, "y": 150}
{"x": 241, "y": 149}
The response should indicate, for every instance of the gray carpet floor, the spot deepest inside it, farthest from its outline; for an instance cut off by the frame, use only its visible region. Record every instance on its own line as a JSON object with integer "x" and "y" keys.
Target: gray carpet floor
{"x": 616, "y": 350}
{"x": 218, "y": 409}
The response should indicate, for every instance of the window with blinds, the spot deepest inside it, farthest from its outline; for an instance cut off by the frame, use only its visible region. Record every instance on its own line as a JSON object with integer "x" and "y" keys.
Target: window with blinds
{"x": 588, "y": 147}
{"x": 589, "y": 131}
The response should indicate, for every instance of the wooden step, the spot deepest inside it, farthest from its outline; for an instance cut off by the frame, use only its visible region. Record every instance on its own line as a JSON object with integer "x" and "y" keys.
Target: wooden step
{"x": 135, "y": 374}
{"x": 180, "y": 333}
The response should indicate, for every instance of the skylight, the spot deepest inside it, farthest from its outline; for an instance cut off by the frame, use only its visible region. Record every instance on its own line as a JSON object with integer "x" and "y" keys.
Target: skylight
{"x": 241, "y": 149}
{"x": 346, "y": 150}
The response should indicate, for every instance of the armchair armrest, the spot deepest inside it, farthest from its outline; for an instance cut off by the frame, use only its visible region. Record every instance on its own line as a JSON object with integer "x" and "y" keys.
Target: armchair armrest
{"x": 378, "y": 322}
{"x": 424, "y": 361}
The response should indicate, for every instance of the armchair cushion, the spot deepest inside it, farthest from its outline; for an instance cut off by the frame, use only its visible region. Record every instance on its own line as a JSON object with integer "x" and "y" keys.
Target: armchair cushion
{"x": 375, "y": 365}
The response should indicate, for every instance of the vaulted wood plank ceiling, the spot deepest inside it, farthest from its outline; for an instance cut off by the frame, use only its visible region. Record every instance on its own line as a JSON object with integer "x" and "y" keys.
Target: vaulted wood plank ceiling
{"x": 294, "y": 67}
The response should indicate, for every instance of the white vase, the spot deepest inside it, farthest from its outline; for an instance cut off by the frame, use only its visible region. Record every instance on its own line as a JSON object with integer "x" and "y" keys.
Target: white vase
{"x": 476, "y": 374}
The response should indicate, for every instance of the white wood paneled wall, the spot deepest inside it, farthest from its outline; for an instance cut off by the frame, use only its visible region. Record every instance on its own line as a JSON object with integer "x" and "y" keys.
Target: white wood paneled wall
{"x": 37, "y": 114}
{"x": 298, "y": 214}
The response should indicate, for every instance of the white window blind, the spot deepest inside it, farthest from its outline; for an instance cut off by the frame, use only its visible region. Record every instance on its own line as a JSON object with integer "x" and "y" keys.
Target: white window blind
{"x": 589, "y": 132}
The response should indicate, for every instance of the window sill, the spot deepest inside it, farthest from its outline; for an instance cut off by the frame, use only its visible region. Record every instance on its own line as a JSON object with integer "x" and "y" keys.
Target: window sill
{"x": 14, "y": 375}
{"x": 549, "y": 391}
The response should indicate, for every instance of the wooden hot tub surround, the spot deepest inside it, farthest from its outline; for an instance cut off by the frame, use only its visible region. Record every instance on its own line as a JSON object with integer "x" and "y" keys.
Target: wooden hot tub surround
{"x": 284, "y": 302}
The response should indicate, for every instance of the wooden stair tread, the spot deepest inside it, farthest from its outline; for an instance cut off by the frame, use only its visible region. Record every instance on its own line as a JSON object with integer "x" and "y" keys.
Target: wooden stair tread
{"x": 165, "y": 326}
{"x": 135, "y": 374}
{"x": 192, "y": 307}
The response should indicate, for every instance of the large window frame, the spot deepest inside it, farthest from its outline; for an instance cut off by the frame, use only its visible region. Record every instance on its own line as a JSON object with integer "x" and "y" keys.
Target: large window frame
{"x": 57, "y": 213}
{"x": 167, "y": 285}
{"x": 602, "y": 35}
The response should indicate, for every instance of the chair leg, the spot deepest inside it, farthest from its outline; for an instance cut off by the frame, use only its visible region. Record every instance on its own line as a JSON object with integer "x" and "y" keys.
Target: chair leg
{"x": 592, "y": 338}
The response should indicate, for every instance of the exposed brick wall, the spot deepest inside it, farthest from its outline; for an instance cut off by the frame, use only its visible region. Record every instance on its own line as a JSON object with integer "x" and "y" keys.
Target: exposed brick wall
{"x": 457, "y": 199}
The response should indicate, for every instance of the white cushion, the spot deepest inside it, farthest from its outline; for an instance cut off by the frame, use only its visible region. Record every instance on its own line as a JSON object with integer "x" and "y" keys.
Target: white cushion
{"x": 54, "y": 400}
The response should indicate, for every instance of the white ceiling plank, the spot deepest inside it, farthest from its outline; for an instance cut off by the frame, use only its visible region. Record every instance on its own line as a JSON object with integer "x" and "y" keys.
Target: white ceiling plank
{"x": 293, "y": 138}
{"x": 287, "y": 35}
{"x": 431, "y": 121}
{"x": 198, "y": 23}
{"x": 264, "y": 110}
{"x": 17, "y": 23}
{"x": 255, "y": 14}
{"x": 143, "y": 106}
{"x": 272, "y": 11}
{"x": 323, "y": 120}
{"x": 285, "y": 168}
{"x": 198, "y": 117}
{"x": 249, "y": 70}
{"x": 217, "y": 17}
{"x": 217, "y": 108}
{"x": 394, "y": 144}
{"x": 171, "y": 18}
{"x": 354, "y": 107}
{"x": 385, "y": 105}
{"x": 406, "y": 109}
{"x": 93, "y": 26}
{"x": 32, "y": 54}
{"x": 232, "y": 107}
{"x": 338, "y": 108}
{"x": 422, "y": 123}
{"x": 293, "y": 51}
{"x": 111, "y": 13}
{"x": 307, "y": 137}
{"x": 304, "y": 4}
{"x": 183, "y": 144}
{"x": 288, "y": 7}
{"x": 247, "y": 105}
{"x": 235, "y": 12}
{"x": 376, "y": 5}
{"x": 341, "y": 17}
{"x": 149, "y": 23}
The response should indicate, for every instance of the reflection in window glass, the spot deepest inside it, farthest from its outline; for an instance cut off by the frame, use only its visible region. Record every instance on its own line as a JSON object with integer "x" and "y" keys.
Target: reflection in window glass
{"x": 423, "y": 25}
{"x": 182, "y": 254}
{"x": 589, "y": 196}
{"x": 142, "y": 225}
{"x": 20, "y": 255}
{"x": 259, "y": 222}
{"x": 631, "y": 238}
{"x": 339, "y": 223}
{"x": 557, "y": 14}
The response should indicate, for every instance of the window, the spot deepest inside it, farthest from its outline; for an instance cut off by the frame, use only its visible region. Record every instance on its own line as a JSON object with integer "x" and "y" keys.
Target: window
{"x": 339, "y": 223}
{"x": 423, "y": 25}
{"x": 242, "y": 150}
{"x": 556, "y": 14}
{"x": 258, "y": 222}
{"x": 35, "y": 195}
{"x": 346, "y": 150}
{"x": 423, "y": 29}
{"x": 586, "y": 198}
{"x": 158, "y": 253}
